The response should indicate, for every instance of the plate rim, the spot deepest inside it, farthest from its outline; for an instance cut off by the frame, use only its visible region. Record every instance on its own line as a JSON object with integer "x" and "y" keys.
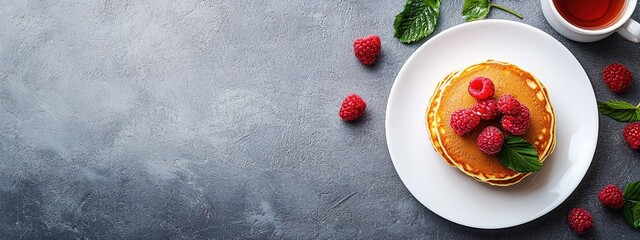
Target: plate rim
{"x": 394, "y": 92}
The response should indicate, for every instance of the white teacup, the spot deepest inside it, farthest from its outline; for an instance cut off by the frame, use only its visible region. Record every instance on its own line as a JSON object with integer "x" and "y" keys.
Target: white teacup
{"x": 624, "y": 25}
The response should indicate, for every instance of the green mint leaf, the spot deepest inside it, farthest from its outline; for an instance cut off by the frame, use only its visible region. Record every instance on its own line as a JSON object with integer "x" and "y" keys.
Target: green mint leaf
{"x": 636, "y": 216}
{"x": 418, "y": 19}
{"x": 473, "y": 10}
{"x": 519, "y": 155}
{"x": 632, "y": 192}
{"x": 632, "y": 213}
{"x": 631, "y": 210}
{"x": 619, "y": 110}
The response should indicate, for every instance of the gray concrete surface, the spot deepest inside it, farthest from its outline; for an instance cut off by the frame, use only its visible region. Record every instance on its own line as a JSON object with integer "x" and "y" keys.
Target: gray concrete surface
{"x": 217, "y": 119}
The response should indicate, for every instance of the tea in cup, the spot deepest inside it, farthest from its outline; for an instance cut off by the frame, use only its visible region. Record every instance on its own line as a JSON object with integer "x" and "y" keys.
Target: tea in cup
{"x": 592, "y": 20}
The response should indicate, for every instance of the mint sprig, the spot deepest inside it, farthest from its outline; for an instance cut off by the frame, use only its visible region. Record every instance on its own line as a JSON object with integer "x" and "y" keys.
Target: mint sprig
{"x": 631, "y": 210}
{"x": 473, "y": 10}
{"x": 620, "y": 111}
{"x": 418, "y": 19}
{"x": 519, "y": 155}
{"x": 632, "y": 214}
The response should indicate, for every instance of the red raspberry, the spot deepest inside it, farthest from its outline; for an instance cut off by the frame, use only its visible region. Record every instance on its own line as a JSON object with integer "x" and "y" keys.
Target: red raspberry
{"x": 508, "y": 104}
{"x": 367, "y": 49}
{"x": 632, "y": 135}
{"x": 464, "y": 121}
{"x": 517, "y": 124}
{"x": 617, "y": 77}
{"x": 611, "y": 196}
{"x": 481, "y": 88}
{"x": 490, "y": 140}
{"x": 352, "y": 108}
{"x": 487, "y": 109}
{"x": 580, "y": 220}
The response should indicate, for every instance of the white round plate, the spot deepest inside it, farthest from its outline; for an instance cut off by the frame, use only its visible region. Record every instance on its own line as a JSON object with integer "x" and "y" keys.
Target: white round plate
{"x": 447, "y": 191}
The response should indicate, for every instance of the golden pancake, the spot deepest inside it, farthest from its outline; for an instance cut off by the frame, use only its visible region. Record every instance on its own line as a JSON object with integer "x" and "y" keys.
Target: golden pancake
{"x": 462, "y": 152}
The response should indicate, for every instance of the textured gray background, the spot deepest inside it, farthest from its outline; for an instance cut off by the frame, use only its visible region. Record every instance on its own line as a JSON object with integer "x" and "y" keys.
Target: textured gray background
{"x": 218, "y": 119}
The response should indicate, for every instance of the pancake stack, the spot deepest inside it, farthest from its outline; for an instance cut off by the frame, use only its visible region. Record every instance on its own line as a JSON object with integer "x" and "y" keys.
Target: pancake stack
{"x": 462, "y": 152}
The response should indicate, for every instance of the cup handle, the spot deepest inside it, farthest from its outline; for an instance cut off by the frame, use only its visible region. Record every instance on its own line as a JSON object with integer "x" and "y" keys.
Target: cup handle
{"x": 630, "y": 30}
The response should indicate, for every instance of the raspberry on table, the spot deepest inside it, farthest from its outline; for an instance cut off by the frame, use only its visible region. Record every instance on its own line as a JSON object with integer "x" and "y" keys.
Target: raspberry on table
{"x": 517, "y": 124}
{"x": 487, "y": 109}
{"x": 367, "y": 49}
{"x": 464, "y": 121}
{"x": 352, "y": 108}
{"x": 611, "y": 196}
{"x": 490, "y": 140}
{"x": 632, "y": 135}
{"x": 481, "y": 88}
{"x": 508, "y": 104}
{"x": 617, "y": 77}
{"x": 580, "y": 220}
